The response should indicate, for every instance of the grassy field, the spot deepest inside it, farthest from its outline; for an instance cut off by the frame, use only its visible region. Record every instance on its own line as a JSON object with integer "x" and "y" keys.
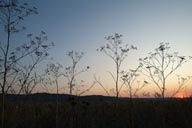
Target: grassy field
{"x": 100, "y": 114}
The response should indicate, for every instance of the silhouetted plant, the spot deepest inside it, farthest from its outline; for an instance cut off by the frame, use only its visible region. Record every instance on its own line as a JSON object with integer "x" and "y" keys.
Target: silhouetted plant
{"x": 182, "y": 81}
{"x": 84, "y": 88}
{"x": 54, "y": 70}
{"x": 160, "y": 65}
{"x": 100, "y": 84}
{"x": 12, "y": 13}
{"x": 28, "y": 76}
{"x": 130, "y": 79}
{"x": 71, "y": 72}
{"x": 117, "y": 52}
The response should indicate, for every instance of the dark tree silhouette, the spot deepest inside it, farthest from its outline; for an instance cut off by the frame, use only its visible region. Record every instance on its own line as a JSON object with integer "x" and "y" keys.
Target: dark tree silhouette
{"x": 161, "y": 64}
{"x": 118, "y": 53}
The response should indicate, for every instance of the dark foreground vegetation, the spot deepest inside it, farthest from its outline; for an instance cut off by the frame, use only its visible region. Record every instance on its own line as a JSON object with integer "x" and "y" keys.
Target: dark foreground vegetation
{"x": 140, "y": 113}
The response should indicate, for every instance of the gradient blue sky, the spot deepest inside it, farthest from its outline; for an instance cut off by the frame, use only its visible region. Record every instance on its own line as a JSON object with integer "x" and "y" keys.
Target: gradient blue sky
{"x": 82, "y": 25}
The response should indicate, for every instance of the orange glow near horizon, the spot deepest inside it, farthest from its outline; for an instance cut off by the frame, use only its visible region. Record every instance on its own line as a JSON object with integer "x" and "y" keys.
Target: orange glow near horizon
{"x": 181, "y": 95}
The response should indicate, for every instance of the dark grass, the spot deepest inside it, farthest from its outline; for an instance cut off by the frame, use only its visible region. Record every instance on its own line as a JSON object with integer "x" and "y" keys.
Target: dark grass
{"x": 39, "y": 113}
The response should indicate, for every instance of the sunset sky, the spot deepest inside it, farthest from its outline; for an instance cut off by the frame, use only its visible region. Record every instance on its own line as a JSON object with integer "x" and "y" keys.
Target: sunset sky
{"x": 82, "y": 25}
